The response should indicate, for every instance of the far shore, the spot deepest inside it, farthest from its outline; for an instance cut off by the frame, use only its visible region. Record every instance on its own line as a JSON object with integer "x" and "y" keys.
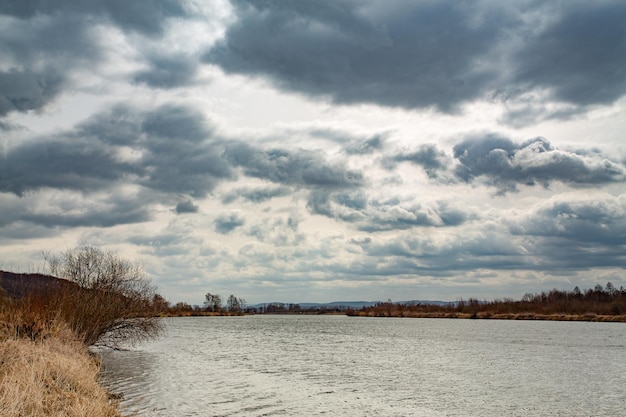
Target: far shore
{"x": 427, "y": 315}
{"x": 500, "y": 316}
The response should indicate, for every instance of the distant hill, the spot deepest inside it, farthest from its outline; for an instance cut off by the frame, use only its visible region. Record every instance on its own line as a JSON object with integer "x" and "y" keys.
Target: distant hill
{"x": 21, "y": 285}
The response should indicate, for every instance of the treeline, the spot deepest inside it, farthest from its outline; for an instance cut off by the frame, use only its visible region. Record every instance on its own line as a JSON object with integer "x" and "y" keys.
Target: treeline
{"x": 595, "y": 304}
{"x": 235, "y": 306}
{"x": 213, "y": 306}
{"x": 290, "y": 308}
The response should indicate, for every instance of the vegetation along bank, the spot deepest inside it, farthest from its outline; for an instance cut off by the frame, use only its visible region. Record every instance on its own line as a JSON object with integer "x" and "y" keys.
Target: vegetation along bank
{"x": 47, "y": 326}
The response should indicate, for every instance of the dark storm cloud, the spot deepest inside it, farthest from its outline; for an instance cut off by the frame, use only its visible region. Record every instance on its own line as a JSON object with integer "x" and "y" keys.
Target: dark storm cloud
{"x": 256, "y": 195}
{"x": 147, "y": 16}
{"x": 406, "y": 54}
{"x": 393, "y": 215}
{"x": 580, "y": 57}
{"x": 186, "y": 206}
{"x": 383, "y": 215}
{"x": 173, "y": 146}
{"x": 322, "y": 202}
{"x": 117, "y": 126}
{"x": 598, "y": 221}
{"x": 293, "y": 167}
{"x": 226, "y": 223}
{"x": 428, "y": 156}
{"x": 576, "y": 232}
{"x": 62, "y": 163}
{"x": 563, "y": 234}
{"x": 176, "y": 123}
{"x": 432, "y": 54}
{"x": 356, "y": 200}
{"x": 38, "y": 58}
{"x": 69, "y": 210}
{"x": 365, "y": 147}
{"x": 25, "y": 90}
{"x": 506, "y": 164}
{"x": 167, "y": 72}
{"x": 49, "y": 40}
{"x": 166, "y": 152}
{"x": 115, "y": 214}
{"x": 420, "y": 55}
{"x": 161, "y": 153}
{"x": 179, "y": 153}
{"x": 424, "y": 255}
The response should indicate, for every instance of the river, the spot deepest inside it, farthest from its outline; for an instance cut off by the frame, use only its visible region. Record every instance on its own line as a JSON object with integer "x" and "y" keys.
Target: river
{"x": 304, "y": 365}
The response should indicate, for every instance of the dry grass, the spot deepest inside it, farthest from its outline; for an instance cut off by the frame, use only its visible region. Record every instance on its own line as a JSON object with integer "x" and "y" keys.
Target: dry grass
{"x": 53, "y": 376}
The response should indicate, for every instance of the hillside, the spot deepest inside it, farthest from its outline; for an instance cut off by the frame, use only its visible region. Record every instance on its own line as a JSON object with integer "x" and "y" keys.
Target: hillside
{"x": 21, "y": 285}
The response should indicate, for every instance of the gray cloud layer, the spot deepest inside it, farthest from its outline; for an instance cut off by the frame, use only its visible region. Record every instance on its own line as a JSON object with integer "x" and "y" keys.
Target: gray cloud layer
{"x": 432, "y": 54}
{"x": 350, "y": 202}
{"x": 167, "y": 152}
{"x": 146, "y": 17}
{"x": 298, "y": 167}
{"x": 405, "y": 54}
{"x": 168, "y": 149}
{"x": 46, "y": 42}
{"x": 174, "y": 151}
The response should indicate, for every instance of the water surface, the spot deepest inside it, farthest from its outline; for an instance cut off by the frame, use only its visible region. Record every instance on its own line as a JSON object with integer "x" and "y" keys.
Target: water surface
{"x": 355, "y": 366}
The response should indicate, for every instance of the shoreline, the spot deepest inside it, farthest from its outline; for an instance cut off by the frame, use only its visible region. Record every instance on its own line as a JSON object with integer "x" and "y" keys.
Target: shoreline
{"x": 589, "y": 317}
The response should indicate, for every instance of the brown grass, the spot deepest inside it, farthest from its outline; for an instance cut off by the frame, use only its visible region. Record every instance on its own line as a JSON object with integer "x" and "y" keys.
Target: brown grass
{"x": 52, "y": 376}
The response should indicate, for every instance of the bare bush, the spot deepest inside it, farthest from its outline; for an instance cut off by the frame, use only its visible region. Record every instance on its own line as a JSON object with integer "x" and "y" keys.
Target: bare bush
{"x": 111, "y": 299}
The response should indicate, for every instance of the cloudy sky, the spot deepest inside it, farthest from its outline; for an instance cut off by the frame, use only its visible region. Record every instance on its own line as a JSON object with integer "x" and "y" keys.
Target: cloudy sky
{"x": 313, "y": 151}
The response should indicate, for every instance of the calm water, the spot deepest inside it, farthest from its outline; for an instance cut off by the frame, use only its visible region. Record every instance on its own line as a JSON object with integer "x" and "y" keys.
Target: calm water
{"x": 349, "y": 366}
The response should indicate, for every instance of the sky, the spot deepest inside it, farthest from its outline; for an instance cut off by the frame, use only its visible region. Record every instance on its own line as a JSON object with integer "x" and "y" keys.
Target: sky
{"x": 315, "y": 151}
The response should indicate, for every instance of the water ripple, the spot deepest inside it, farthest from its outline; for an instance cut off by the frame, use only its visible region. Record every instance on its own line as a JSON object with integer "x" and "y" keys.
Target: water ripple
{"x": 335, "y": 365}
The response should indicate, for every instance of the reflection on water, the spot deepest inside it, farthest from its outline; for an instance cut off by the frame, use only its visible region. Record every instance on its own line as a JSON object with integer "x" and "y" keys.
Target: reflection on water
{"x": 336, "y": 365}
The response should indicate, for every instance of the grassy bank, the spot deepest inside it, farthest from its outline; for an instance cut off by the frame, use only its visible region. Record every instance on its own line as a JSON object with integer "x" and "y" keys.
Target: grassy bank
{"x": 49, "y": 375}
{"x": 45, "y": 367}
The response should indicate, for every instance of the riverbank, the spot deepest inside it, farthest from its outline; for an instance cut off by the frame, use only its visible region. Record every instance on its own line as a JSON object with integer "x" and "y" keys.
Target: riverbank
{"x": 481, "y": 315}
{"x": 53, "y": 376}
{"x": 494, "y": 316}
{"x": 47, "y": 325}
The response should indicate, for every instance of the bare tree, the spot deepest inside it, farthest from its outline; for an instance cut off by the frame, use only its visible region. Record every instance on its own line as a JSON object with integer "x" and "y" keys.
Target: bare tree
{"x": 213, "y": 302}
{"x": 111, "y": 301}
{"x": 234, "y": 304}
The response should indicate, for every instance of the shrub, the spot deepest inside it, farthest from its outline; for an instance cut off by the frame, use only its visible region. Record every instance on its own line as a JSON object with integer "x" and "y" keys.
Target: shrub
{"x": 110, "y": 301}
